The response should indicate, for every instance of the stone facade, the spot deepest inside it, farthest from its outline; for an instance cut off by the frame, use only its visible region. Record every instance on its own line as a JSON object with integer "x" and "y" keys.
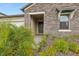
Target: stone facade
{"x": 51, "y": 21}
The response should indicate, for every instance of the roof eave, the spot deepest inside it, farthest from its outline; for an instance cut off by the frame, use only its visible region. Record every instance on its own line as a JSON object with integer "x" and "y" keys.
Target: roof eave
{"x": 12, "y": 16}
{"x": 26, "y": 6}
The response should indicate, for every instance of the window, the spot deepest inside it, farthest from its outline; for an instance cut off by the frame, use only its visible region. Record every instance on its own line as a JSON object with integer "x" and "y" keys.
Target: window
{"x": 64, "y": 21}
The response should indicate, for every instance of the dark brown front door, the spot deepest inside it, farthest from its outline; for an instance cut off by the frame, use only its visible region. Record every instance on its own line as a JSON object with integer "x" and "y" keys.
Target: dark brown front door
{"x": 40, "y": 27}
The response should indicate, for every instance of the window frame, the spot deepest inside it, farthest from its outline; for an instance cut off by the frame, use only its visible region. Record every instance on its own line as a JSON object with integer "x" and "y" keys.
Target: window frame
{"x": 68, "y": 15}
{"x": 64, "y": 30}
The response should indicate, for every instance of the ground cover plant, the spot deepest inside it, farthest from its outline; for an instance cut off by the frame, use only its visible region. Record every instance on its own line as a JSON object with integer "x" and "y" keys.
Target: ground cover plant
{"x": 61, "y": 46}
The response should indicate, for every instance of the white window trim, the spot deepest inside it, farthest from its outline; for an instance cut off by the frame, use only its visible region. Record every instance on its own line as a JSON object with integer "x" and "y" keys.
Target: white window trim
{"x": 70, "y": 17}
{"x": 64, "y": 30}
{"x": 72, "y": 14}
{"x": 33, "y": 13}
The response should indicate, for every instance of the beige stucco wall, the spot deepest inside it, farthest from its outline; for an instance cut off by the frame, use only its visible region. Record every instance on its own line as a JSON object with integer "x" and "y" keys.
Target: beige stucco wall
{"x": 1, "y": 15}
{"x": 18, "y": 21}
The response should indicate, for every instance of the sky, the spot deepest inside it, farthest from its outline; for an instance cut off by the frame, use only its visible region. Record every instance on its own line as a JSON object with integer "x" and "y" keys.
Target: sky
{"x": 11, "y": 8}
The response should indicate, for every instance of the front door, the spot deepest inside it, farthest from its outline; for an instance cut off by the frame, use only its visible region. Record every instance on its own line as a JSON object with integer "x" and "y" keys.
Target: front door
{"x": 40, "y": 27}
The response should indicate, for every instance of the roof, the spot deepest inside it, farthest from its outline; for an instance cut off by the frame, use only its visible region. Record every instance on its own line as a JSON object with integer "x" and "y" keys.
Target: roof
{"x": 26, "y": 6}
{"x": 2, "y": 14}
{"x": 18, "y": 15}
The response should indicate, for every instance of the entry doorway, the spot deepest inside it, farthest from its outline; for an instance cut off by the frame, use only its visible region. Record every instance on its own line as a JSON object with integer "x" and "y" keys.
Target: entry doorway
{"x": 37, "y": 23}
{"x": 40, "y": 27}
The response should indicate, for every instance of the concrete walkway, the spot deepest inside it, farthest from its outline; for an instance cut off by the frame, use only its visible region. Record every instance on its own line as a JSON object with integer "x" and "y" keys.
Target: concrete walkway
{"x": 38, "y": 38}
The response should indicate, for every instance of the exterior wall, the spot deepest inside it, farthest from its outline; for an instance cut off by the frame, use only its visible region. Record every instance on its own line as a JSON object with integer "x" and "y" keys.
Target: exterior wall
{"x": 1, "y": 15}
{"x": 18, "y": 21}
{"x": 51, "y": 22}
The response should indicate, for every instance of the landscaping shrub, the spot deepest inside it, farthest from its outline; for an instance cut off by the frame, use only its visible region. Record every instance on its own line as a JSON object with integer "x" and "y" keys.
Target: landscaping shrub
{"x": 26, "y": 41}
{"x": 49, "y": 51}
{"x": 43, "y": 42}
{"x": 61, "y": 45}
{"x": 15, "y": 40}
{"x": 19, "y": 41}
{"x": 73, "y": 46}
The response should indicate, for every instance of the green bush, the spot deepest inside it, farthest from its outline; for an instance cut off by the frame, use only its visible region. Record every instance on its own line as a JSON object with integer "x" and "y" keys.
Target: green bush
{"x": 26, "y": 40}
{"x": 43, "y": 42}
{"x": 15, "y": 40}
{"x": 19, "y": 41}
{"x": 49, "y": 51}
{"x": 73, "y": 46}
{"x": 61, "y": 45}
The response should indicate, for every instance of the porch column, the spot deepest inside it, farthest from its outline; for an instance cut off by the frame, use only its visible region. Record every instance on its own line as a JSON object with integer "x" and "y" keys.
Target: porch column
{"x": 27, "y": 21}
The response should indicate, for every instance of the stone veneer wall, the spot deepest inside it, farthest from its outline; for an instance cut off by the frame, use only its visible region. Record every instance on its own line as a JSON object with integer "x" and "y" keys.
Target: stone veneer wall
{"x": 51, "y": 22}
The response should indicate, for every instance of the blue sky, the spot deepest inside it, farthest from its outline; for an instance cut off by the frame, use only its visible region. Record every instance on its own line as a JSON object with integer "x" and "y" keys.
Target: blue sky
{"x": 11, "y": 8}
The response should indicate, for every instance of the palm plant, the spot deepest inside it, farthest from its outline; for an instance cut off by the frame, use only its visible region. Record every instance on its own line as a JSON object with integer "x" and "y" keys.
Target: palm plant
{"x": 15, "y": 40}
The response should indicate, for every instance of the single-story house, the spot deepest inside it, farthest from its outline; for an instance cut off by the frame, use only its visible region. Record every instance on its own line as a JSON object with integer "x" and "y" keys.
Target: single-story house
{"x": 52, "y": 18}
{"x": 48, "y": 18}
